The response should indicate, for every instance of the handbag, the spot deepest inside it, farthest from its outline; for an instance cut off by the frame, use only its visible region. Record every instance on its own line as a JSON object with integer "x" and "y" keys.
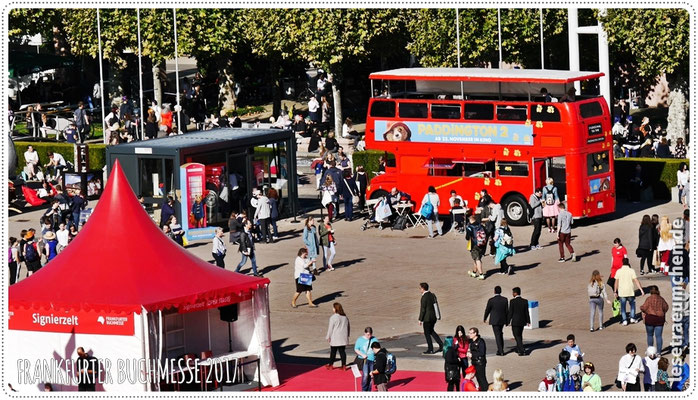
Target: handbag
{"x": 452, "y": 373}
{"x": 305, "y": 279}
{"x": 437, "y": 311}
{"x": 326, "y": 198}
{"x": 656, "y": 259}
{"x": 619, "y": 384}
{"x": 359, "y": 362}
{"x": 616, "y": 307}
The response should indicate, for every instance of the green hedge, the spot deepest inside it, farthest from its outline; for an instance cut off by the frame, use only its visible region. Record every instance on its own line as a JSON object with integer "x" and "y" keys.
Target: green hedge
{"x": 657, "y": 173}
{"x": 369, "y": 159}
{"x": 98, "y": 153}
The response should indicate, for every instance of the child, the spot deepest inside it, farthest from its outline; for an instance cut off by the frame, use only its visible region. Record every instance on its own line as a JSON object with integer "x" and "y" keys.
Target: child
{"x": 548, "y": 383}
{"x": 458, "y": 219}
{"x": 575, "y": 352}
{"x": 651, "y": 365}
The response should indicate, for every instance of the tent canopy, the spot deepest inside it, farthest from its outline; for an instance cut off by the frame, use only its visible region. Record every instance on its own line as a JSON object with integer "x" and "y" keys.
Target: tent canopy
{"x": 121, "y": 261}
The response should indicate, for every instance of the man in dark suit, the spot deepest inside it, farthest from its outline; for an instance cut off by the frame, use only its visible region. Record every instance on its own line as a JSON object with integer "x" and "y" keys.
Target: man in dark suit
{"x": 518, "y": 318}
{"x": 497, "y": 308}
{"x": 347, "y": 188}
{"x": 428, "y": 318}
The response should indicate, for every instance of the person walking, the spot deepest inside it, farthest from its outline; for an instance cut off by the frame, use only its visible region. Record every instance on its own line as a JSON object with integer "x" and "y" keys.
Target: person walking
{"x": 596, "y": 290}
{"x": 518, "y": 317}
{"x": 262, "y": 214}
{"x": 13, "y": 259}
{"x": 498, "y": 310}
{"x": 665, "y": 245}
{"x": 504, "y": 242}
{"x": 462, "y": 344}
{"x": 564, "y": 233}
{"x": 428, "y": 317}
{"x": 327, "y": 240}
{"x": 478, "y": 358}
{"x": 236, "y": 227}
{"x": 494, "y": 222}
{"x": 629, "y": 367}
{"x": 654, "y": 310}
{"x": 476, "y": 236}
{"x": 432, "y": 198}
{"x": 536, "y": 204}
{"x": 625, "y": 277}
{"x": 338, "y": 333}
{"x": 310, "y": 241}
{"x": 645, "y": 244}
{"x": 301, "y": 266}
{"x": 451, "y": 365}
{"x": 380, "y": 379}
{"x": 247, "y": 249}
{"x": 365, "y": 357}
{"x": 218, "y": 251}
{"x": 682, "y": 175}
{"x": 551, "y": 201}
{"x": 329, "y": 195}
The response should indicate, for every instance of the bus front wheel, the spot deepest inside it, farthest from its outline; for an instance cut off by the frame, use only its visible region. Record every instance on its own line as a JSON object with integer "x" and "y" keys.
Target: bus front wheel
{"x": 515, "y": 210}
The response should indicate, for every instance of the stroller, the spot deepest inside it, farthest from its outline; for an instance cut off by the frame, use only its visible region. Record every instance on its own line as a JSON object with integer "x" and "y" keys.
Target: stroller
{"x": 379, "y": 213}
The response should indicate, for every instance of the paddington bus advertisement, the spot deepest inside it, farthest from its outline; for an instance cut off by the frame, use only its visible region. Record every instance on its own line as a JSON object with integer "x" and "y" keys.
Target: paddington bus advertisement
{"x": 453, "y": 132}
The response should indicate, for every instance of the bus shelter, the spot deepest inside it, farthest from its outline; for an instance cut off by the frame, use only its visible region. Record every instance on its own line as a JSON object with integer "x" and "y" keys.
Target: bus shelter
{"x": 217, "y": 168}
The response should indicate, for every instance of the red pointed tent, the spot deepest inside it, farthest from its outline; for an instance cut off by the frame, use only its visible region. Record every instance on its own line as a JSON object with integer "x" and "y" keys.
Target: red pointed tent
{"x": 121, "y": 262}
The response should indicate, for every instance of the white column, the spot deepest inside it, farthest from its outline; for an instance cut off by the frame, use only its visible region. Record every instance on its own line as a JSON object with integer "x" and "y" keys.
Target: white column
{"x": 604, "y": 63}
{"x": 573, "y": 39}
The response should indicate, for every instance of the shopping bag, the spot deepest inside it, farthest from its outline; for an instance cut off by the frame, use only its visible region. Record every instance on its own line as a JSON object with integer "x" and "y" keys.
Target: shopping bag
{"x": 656, "y": 259}
{"x": 305, "y": 279}
{"x": 616, "y": 307}
{"x": 184, "y": 241}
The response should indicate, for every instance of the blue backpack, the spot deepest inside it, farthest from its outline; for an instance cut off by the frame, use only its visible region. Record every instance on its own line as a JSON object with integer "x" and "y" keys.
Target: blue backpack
{"x": 569, "y": 384}
{"x": 427, "y": 208}
{"x": 30, "y": 252}
{"x": 391, "y": 365}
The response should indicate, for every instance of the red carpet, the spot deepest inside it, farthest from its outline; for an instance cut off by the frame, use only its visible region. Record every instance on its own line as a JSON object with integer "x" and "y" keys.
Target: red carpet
{"x": 311, "y": 378}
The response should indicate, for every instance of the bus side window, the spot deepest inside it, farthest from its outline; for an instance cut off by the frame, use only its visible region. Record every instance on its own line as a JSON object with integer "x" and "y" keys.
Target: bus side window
{"x": 413, "y": 110}
{"x": 383, "y": 109}
{"x": 545, "y": 112}
{"x": 445, "y": 111}
{"x": 512, "y": 168}
{"x": 512, "y": 113}
{"x": 482, "y": 111}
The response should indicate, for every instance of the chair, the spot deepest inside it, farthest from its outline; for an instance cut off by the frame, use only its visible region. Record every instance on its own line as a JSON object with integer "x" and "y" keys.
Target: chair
{"x": 204, "y": 371}
{"x": 460, "y": 211}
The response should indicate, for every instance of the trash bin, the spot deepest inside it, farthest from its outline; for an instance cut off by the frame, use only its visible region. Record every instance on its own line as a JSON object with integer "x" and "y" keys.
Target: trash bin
{"x": 533, "y": 313}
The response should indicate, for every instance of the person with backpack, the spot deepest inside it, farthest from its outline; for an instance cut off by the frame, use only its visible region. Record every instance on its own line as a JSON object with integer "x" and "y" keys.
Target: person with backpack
{"x": 430, "y": 211}
{"x": 477, "y": 243}
{"x": 380, "y": 365}
{"x": 429, "y": 313}
{"x": 535, "y": 203}
{"x": 596, "y": 290}
{"x": 504, "y": 243}
{"x": 564, "y": 233}
{"x": 551, "y": 200}
{"x": 32, "y": 256}
{"x": 451, "y": 365}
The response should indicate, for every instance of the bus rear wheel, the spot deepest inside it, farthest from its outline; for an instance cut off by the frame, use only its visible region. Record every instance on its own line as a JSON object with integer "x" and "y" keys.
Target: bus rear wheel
{"x": 515, "y": 210}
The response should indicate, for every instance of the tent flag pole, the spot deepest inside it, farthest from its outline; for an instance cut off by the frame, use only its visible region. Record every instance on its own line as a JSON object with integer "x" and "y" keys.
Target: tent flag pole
{"x": 159, "y": 335}
{"x": 146, "y": 345}
{"x": 179, "y": 107}
{"x": 140, "y": 72}
{"x": 101, "y": 77}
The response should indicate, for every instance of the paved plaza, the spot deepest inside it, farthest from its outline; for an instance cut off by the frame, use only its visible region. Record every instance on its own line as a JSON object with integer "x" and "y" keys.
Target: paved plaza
{"x": 377, "y": 276}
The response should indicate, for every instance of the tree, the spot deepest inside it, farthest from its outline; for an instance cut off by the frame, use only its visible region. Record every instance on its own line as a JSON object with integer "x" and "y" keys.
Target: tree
{"x": 335, "y": 38}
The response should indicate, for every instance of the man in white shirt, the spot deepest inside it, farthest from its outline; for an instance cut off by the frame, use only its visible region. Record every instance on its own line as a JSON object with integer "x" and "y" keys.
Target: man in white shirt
{"x": 32, "y": 159}
{"x": 62, "y": 236}
{"x": 56, "y": 164}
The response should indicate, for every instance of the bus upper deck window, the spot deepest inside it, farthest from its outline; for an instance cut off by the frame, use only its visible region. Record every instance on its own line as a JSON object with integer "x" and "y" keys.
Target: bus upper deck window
{"x": 481, "y": 111}
{"x": 512, "y": 113}
{"x": 588, "y": 110}
{"x": 383, "y": 109}
{"x": 545, "y": 112}
{"x": 413, "y": 110}
{"x": 445, "y": 111}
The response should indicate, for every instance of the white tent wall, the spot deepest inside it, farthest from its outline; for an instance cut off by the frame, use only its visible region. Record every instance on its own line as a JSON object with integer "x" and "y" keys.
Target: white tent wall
{"x": 27, "y": 350}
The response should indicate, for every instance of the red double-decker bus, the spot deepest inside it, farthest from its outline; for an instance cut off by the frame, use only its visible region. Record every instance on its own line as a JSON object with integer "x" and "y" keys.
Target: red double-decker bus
{"x": 468, "y": 129}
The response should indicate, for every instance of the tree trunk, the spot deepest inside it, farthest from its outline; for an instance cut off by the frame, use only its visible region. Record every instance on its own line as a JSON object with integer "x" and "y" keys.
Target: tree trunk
{"x": 227, "y": 100}
{"x": 276, "y": 87}
{"x": 157, "y": 85}
{"x": 337, "y": 104}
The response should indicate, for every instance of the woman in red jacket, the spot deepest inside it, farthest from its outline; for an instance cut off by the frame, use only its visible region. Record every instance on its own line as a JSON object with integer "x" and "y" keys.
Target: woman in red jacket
{"x": 462, "y": 344}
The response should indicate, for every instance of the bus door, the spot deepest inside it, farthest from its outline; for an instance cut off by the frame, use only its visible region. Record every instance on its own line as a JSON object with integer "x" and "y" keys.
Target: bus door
{"x": 552, "y": 167}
